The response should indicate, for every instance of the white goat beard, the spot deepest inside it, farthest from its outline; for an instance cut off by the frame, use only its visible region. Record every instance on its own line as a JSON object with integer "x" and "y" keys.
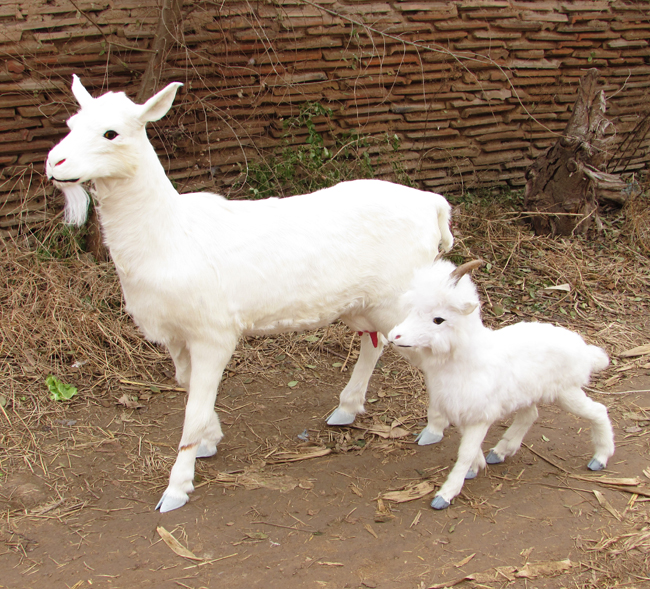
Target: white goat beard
{"x": 76, "y": 204}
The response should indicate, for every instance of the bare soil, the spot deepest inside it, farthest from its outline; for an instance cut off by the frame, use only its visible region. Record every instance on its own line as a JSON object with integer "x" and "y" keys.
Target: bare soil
{"x": 317, "y": 522}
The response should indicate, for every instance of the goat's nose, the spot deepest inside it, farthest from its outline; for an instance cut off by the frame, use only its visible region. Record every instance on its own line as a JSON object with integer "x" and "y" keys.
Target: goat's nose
{"x": 59, "y": 162}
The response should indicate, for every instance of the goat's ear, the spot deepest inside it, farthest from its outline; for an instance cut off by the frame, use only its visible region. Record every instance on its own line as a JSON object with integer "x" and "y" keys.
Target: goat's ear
{"x": 80, "y": 93}
{"x": 468, "y": 308}
{"x": 159, "y": 104}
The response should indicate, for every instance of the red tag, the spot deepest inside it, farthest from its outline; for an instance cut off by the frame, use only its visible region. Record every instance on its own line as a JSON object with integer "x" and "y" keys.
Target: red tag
{"x": 373, "y": 337}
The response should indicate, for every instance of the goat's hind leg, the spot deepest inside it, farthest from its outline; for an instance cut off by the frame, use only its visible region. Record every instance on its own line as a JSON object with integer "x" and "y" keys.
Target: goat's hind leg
{"x": 182, "y": 362}
{"x": 353, "y": 395}
{"x": 602, "y": 435}
{"x": 512, "y": 439}
{"x": 208, "y": 362}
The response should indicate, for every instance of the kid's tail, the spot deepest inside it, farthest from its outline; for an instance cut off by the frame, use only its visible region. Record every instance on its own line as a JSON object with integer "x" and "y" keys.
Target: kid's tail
{"x": 599, "y": 358}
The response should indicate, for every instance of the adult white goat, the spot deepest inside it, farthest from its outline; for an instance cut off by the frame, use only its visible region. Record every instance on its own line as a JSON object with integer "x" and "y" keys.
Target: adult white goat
{"x": 199, "y": 271}
{"x": 475, "y": 375}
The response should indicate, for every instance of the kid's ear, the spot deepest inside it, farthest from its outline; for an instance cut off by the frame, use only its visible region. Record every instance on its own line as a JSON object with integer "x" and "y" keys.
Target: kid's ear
{"x": 468, "y": 308}
{"x": 159, "y": 104}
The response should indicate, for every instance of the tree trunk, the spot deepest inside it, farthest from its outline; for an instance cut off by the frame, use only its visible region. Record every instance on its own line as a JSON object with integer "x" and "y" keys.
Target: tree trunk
{"x": 166, "y": 36}
{"x": 566, "y": 182}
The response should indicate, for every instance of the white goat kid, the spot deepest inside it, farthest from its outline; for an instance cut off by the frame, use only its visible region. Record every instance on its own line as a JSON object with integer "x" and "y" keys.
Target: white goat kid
{"x": 199, "y": 271}
{"x": 475, "y": 375}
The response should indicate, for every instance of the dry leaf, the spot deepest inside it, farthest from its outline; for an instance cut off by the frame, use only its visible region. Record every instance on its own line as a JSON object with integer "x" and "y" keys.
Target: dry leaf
{"x": 638, "y": 351}
{"x": 465, "y": 560}
{"x": 562, "y": 287}
{"x": 385, "y": 431}
{"x": 282, "y": 457}
{"x": 252, "y": 479}
{"x": 128, "y": 402}
{"x": 356, "y": 490}
{"x": 370, "y": 530}
{"x": 606, "y": 505}
{"x": 526, "y": 552}
{"x": 175, "y": 545}
{"x": 529, "y": 571}
{"x": 544, "y": 569}
{"x": 622, "y": 482}
{"x": 410, "y": 493}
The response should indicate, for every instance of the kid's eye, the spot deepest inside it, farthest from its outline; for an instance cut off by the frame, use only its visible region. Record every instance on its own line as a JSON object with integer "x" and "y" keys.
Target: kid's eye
{"x": 110, "y": 135}
{"x": 438, "y": 320}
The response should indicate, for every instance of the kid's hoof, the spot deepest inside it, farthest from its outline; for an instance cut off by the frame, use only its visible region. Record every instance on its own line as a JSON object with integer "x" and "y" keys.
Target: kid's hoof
{"x": 206, "y": 449}
{"x": 170, "y": 501}
{"x": 471, "y": 474}
{"x": 493, "y": 458}
{"x": 439, "y": 502}
{"x": 426, "y": 437}
{"x": 595, "y": 465}
{"x": 341, "y": 417}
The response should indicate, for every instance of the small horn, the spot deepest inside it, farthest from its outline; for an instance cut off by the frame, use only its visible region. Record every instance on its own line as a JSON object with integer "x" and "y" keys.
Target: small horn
{"x": 465, "y": 268}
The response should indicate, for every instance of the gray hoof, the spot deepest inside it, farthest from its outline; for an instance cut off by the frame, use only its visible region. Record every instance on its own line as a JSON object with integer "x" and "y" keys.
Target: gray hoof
{"x": 471, "y": 474}
{"x": 493, "y": 458}
{"x": 206, "y": 450}
{"x": 426, "y": 437}
{"x": 169, "y": 502}
{"x": 595, "y": 465}
{"x": 439, "y": 502}
{"x": 341, "y": 417}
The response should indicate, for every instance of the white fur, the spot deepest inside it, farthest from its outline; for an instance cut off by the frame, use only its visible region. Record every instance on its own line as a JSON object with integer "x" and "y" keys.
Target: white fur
{"x": 476, "y": 376}
{"x": 199, "y": 271}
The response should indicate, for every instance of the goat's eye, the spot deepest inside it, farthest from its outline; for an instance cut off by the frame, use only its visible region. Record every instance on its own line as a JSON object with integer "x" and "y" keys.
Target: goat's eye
{"x": 438, "y": 320}
{"x": 110, "y": 135}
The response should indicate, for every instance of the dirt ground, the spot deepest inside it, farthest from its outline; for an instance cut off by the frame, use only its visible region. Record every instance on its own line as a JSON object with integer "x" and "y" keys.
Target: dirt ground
{"x": 256, "y": 521}
{"x": 288, "y": 501}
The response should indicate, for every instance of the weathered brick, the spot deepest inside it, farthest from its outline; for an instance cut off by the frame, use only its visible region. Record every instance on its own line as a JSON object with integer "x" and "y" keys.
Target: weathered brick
{"x": 497, "y": 157}
{"x": 528, "y": 15}
{"x": 459, "y": 25}
{"x": 482, "y": 34}
{"x": 427, "y": 11}
{"x": 577, "y": 6}
{"x": 495, "y": 146}
{"x": 492, "y": 14}
{"x": 484, "y": 110}
{"x": 625, "y": 44}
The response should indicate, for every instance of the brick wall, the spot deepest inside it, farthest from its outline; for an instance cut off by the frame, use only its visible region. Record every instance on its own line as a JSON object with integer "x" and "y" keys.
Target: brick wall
{"x": 473, "y": 89}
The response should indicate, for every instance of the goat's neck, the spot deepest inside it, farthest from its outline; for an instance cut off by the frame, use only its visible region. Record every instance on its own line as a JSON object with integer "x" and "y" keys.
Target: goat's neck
{"x": 138, "y": 213}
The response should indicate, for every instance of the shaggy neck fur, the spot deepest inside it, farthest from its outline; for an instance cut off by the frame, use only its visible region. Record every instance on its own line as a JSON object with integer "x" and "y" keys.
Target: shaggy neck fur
{"x": 143, "y": 204}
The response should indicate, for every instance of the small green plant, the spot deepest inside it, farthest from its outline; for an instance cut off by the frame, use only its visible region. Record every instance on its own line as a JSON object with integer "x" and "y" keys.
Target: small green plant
{"x": 59, "y": 391}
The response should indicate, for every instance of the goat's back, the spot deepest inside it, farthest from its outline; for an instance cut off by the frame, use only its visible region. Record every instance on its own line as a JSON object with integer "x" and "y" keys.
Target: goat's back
{"x": 513, "y": 367}
{"x": 293, "y": 263}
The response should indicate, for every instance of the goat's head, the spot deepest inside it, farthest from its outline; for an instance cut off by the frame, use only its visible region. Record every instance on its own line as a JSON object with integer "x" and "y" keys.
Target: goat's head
{"x": 106, "y": 138}
{"x": 439, "y": 303}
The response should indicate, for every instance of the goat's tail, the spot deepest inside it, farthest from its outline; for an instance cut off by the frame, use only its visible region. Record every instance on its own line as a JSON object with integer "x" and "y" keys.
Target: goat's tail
{"x": 599, "y": 358}
{"x": 444, "y": 222}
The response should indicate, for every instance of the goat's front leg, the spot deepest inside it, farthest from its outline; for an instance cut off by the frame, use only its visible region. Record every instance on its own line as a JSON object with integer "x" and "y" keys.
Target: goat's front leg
{"x": 436, "y": 425}
{"x": 201, "y": 422}
{"x": 353, "y": 395}
{"x": 180, "y": 354}
{"x": 470, "y": 447}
